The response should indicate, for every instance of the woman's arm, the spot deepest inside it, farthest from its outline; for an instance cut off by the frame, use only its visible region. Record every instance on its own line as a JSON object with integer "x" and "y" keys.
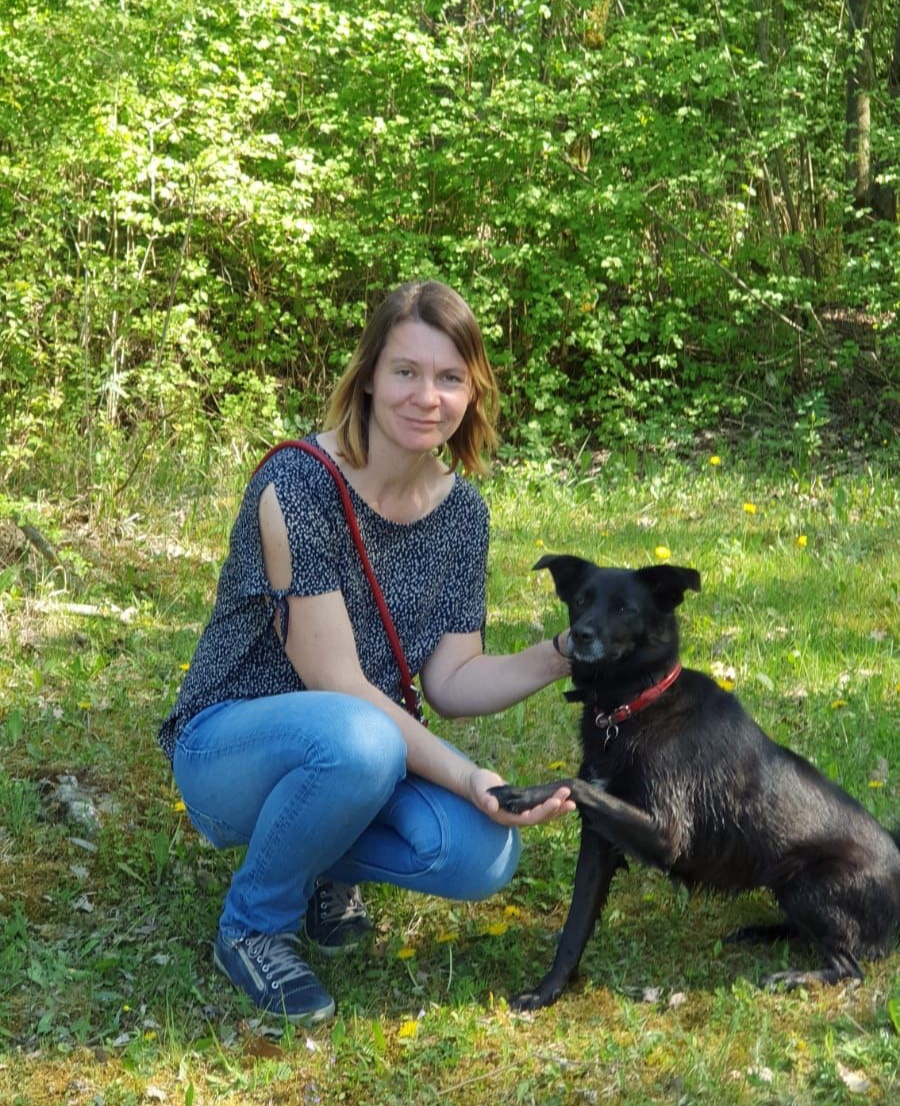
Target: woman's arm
{"x": 321, "y": 647}
{"x": 460, "y": 679}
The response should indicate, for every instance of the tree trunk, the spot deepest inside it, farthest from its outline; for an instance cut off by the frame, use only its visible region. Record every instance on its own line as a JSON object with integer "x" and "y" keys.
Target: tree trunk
{"x": 857, "y": 135}
{"x": 884, "y": 197}
{"x": 861, "y": 173}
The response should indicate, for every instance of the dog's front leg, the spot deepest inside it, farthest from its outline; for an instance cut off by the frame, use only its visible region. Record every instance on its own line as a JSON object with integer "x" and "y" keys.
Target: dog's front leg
{"x": 597, "y": 863}
{"x": 619, "y": 823}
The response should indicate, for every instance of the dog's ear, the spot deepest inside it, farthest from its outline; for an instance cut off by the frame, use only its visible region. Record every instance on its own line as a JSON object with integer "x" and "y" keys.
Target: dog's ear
{"x": 566, "y": 571}
{"x": 668, "y": 583}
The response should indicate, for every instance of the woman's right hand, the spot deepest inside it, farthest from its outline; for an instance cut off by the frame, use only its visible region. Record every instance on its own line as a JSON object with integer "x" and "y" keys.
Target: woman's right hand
{"x": 482, "y": 779}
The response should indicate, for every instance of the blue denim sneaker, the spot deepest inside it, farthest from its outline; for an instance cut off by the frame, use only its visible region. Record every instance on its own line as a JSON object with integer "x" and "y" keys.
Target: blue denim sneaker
{"x": 336, "y": 917}
{"x": 270, "y": 970}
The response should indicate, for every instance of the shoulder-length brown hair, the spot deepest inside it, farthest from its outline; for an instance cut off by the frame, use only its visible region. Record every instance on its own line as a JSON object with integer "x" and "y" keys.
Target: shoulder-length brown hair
{"x": 439, "y": 306}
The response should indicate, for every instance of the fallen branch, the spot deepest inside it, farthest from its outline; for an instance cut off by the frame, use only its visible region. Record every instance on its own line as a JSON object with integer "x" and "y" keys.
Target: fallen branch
{"x": 46, "y": 549}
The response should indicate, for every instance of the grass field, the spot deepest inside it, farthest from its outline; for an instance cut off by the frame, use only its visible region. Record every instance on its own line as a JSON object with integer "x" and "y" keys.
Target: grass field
{"x": 107, "y": 909}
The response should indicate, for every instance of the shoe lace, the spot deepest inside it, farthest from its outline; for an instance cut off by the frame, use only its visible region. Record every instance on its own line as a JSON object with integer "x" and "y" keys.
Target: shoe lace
{"x": 277, "y": 955}
{"x": 339, "y": 900}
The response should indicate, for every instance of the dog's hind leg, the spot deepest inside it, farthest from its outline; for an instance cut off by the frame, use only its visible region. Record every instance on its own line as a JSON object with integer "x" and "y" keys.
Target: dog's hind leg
{"x": 597, "y": 864}
{"x": 825, "y": 906}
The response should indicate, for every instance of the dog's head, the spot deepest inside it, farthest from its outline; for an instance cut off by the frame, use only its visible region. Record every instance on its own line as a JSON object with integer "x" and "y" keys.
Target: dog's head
{"x": 614, "y": 612}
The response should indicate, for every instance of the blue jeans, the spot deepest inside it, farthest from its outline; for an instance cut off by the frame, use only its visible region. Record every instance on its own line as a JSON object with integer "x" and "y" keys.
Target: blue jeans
{"x": 314, "y": 784}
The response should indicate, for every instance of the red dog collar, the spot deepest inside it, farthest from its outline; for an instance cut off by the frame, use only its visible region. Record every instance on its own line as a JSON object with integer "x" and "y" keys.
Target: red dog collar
{"x": 623, "y": 713}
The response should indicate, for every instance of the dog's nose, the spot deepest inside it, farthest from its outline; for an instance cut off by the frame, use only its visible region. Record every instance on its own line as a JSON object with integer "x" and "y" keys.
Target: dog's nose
{"x": 585, "y": 644}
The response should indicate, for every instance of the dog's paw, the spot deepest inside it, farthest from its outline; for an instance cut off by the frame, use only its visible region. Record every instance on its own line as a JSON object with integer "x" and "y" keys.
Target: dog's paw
{"x": 512, "y": 799}
{"x": 527, "y": 1001}
{"x": 516, "y": 800}
{"x": 787, "y": 981}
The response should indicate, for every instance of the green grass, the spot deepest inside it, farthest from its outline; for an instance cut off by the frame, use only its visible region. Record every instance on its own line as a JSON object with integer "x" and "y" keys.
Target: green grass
{"x": 107, "y": 992}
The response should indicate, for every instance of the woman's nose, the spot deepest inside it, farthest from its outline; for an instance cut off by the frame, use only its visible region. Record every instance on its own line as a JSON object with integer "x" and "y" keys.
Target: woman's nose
{"x": 427, "y": 391}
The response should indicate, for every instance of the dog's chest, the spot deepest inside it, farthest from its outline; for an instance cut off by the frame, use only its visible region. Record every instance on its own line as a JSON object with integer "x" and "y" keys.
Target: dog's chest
{"x": 613, "y": 763}
{"x": 617, "y": 758}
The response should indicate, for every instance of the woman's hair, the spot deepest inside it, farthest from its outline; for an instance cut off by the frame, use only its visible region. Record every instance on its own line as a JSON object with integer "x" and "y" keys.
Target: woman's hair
{"x": 439, "y": 306}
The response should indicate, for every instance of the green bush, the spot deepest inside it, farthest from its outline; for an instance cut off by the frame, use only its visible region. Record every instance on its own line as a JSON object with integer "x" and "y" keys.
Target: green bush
{"x": 647, "y": 210}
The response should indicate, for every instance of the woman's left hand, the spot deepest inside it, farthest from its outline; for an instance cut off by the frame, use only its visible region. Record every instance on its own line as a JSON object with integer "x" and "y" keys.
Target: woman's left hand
{"x": 481, "y": 780}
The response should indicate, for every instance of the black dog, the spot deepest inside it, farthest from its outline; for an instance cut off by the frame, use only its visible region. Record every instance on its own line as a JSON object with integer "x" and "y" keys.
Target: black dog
{"x": 677, "y": 774}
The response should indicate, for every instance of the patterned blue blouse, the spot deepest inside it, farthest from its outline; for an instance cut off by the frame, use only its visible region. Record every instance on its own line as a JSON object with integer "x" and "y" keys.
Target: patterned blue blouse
{"x": 432, "y": 572}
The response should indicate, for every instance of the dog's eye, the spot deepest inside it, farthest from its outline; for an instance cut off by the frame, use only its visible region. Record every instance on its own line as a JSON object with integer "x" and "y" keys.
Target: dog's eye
{"x": 617, "y": 605}
{"x": 579, "y": 601}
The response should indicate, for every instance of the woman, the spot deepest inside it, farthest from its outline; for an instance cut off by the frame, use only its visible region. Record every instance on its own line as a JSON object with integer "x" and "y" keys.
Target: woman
{"x": 287, "y": 735}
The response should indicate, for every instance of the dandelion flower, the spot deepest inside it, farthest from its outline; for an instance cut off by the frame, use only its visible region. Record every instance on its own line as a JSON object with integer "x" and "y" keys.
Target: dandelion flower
{"x": 838, "y": 703}
{"x": 446, "y": 938}
{"x": 84, "y": 704}
{"x": 801, "y": 541}
{"x": 750, "y": 508}
{"x": 184, "y": 667}
{"x": 406, "y": 953}
{"x": 496, "y": 929}
{"x": 725, "y": 684}
{"x": 512, "y": 911}
{"x": 408, "y": 1029}
{"x": 662, "y": 553}
{"x": 556, "y": 766}
{"x": 876, "y": 783}
{"x": 715, "y": 460}
{"x": 179, "y": 807}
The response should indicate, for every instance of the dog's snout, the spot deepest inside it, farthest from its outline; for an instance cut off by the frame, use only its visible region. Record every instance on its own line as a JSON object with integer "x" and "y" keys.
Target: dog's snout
{"x": 585, "y": 644}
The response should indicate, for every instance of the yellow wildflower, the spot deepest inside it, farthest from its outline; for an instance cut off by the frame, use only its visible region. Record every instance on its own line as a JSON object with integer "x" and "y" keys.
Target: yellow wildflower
{"x": 838, "y": 703}
{"x": 662, "y": 553}
{"x": 715, "y": 460}
{"x": 725, "y": 684}
{"x": 446, "y": 937}
{"x": 406, "y": 953}
{"x": 184, "y": 667}
{"x": 801, "y": 541}
{"x": 876, "y": 783}
{"x": 179, "y": 807}
{"x": 496, "y": 929}
{"x": 408, "y": 1029}
{"x": 750, "y": 508}
{"x": 512, "y": 911}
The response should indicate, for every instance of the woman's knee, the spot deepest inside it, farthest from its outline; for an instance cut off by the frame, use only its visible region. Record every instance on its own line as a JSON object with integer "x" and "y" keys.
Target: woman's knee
{"x": 232, "y": 760}
{"x": 368, "y": 742}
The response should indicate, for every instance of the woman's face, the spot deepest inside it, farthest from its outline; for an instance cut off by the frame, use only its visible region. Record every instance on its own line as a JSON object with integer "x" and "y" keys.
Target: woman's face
{"x": 420, "y": 388}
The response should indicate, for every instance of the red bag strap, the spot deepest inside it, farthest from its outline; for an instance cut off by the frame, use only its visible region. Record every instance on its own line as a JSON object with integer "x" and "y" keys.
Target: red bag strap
{"x": 409, "y": 692}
